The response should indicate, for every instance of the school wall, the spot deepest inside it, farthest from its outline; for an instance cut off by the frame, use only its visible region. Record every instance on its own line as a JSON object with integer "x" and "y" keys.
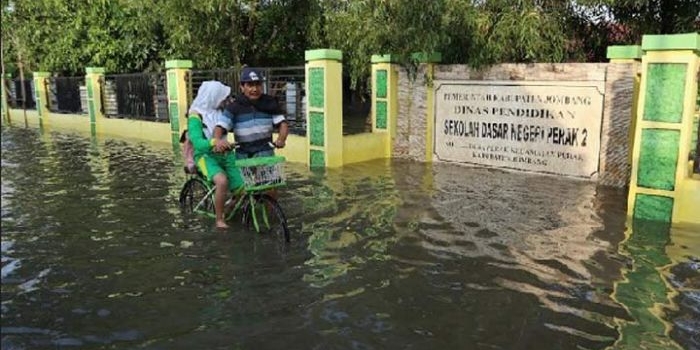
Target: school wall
{"x": 619, "y": 97}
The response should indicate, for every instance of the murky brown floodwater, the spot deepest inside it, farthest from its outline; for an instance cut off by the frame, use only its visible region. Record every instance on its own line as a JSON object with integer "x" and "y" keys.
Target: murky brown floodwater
{"x": 385, "y": 255}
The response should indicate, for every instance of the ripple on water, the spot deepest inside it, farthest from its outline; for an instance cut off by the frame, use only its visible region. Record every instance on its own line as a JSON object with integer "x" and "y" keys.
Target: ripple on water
{"x": 385, "y": 254}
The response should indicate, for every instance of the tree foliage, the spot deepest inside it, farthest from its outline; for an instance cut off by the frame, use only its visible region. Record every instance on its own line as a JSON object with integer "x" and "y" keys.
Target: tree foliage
{"x": 67, "y": 36}
{"x": 225, "y": 33}
{"x": 651, "y": 16}
{"x": 131, "y": 35}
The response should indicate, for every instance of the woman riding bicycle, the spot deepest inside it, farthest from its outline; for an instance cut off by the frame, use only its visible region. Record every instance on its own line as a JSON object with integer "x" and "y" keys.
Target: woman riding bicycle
{"x": 213, "y": 157}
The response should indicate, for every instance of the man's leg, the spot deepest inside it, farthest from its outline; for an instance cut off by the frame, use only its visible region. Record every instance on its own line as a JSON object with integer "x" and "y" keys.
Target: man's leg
{"x": 234, "y": 174}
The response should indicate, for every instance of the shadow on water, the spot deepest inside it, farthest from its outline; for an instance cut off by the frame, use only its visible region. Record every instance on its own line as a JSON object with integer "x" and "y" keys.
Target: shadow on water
{"x": 385, "y": 254}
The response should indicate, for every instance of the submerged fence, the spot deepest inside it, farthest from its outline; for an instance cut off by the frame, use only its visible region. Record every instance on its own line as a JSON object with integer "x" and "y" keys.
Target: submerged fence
{"x": 135, "y": 96}
{"x": 65, "y": 94}
{"x": 143, "y": 96}
{"x": 19, "y": 97}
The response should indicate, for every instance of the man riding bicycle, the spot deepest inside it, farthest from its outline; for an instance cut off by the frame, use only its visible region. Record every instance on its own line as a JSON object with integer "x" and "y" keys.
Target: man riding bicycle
{"x": 252, "y": 117}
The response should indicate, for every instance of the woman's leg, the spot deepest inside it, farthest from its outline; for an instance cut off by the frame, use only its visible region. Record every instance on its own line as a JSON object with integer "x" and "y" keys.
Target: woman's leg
{"x": 210, "y": 168}
{"x": 220, "y": 194}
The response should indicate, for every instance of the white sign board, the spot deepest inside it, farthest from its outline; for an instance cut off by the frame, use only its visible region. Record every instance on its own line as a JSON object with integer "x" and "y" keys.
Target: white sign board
{"x": 550, "y": 127}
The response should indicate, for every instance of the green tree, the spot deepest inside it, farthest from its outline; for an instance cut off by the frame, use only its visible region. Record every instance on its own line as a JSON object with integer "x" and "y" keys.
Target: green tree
{"x": 641, "y": 17}
{"x": 9, "y": 46}
{"x": 65, "y": 36}
{"x": 131, "y": 35}
{"x": 473, "y": 32}
{"x": 224, "y": 33}
{"x": 507, "y": 31}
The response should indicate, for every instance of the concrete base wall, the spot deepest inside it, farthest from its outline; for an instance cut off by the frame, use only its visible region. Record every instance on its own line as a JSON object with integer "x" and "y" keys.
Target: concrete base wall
{"x": 137, "y": 130}
{"x": 356, "y": 148}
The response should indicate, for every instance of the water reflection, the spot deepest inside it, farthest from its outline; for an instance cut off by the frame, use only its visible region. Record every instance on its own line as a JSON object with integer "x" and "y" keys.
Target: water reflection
{"x": 96, "y": 254}
{"x": 644, "y": 291}
{"x": 683, "y": 276}
{"x": 661, "y": 289}
{"x": 346, "y": 213}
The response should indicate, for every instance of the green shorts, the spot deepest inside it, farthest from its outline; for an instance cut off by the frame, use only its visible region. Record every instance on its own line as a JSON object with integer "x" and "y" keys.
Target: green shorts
{"x": 212, "y": 164}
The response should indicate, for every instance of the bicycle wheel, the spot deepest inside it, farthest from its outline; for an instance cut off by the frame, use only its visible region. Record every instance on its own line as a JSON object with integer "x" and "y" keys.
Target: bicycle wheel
{"x": 195, "y": 197}
{"x": 263, "y": 214}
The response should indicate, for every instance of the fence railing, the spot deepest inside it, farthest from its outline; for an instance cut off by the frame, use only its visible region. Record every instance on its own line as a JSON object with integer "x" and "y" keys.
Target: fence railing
{"x": 135, "y": 96}
{"x": 15, "y": 96}
{"x": 288, "y": 86}
{"x": 226, "y": 76}
{"x": 144, "y": 95}
{"x": 284, "y": 83}
{"x": 64, "y": 95}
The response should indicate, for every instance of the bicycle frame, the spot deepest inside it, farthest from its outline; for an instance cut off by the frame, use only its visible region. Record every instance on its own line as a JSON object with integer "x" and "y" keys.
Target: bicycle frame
{"x": 247, "y": 198}
{"x": 260, "y": 176}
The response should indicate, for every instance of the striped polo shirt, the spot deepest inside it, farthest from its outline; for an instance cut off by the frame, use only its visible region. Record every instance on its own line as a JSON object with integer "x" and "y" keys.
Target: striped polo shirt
{"x": 252, "y": 122}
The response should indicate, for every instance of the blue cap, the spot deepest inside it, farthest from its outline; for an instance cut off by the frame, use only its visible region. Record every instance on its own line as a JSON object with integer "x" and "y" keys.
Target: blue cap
{"x": 249, "y": 74}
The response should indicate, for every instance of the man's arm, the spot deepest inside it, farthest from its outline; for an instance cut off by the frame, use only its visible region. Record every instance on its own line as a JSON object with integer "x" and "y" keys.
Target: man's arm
{"x": 282, "y": 136}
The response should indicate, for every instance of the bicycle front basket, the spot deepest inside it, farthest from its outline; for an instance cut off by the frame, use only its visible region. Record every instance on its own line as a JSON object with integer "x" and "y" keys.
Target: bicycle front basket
{"x": 262, "y": 172}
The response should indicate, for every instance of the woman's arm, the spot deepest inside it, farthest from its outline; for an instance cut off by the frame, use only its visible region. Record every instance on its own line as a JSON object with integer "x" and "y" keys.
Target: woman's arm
{"x": 195, "y": 130}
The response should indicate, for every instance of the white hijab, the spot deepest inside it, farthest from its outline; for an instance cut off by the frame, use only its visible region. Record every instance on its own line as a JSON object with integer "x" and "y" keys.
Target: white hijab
{"x": 209, "y": 97}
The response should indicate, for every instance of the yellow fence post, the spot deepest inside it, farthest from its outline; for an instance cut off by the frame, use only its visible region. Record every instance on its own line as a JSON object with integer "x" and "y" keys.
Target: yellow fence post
{"x": 429, "y": 59}
{"x": 385, "y": 98}
{"x": 178, "y": 72}
{"x": 324, "y": 111}
{"x": 661, "y": 188}
{"x": 94, "y": 77}
{"x": 41, "y": 82}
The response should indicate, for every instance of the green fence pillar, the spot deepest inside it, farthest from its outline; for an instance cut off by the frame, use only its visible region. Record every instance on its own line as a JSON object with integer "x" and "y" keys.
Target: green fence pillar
{"x": 664, "y": 128}
{"x": 385, "y": 89}
{"x": 178, "y": 98}
{"x": 624, "y": 53}
{"x": 41, "y": 89}
{"x": 94, "y": 78}
{"x": 324, "y": 107}
{"x": 5, "y": 105}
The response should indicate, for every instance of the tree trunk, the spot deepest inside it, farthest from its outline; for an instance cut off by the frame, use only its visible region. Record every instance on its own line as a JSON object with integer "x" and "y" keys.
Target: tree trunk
{"x": 235, "y": 40}
{"x": 22, "y": 86}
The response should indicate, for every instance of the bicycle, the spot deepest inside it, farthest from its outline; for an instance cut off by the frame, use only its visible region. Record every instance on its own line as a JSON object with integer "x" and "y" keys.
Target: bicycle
{"x": 259, "y": 210}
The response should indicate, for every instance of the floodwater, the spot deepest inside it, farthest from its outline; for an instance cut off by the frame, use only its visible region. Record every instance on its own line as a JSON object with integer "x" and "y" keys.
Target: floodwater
{"x": 385, "y": 255}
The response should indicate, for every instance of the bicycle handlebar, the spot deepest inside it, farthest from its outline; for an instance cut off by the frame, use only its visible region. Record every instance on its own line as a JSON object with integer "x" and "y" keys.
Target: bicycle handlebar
{"x": 237, "y": 145}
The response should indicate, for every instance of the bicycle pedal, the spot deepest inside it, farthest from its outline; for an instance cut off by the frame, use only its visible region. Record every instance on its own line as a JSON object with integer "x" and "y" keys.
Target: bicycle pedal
{"x": 231, "y": 202}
